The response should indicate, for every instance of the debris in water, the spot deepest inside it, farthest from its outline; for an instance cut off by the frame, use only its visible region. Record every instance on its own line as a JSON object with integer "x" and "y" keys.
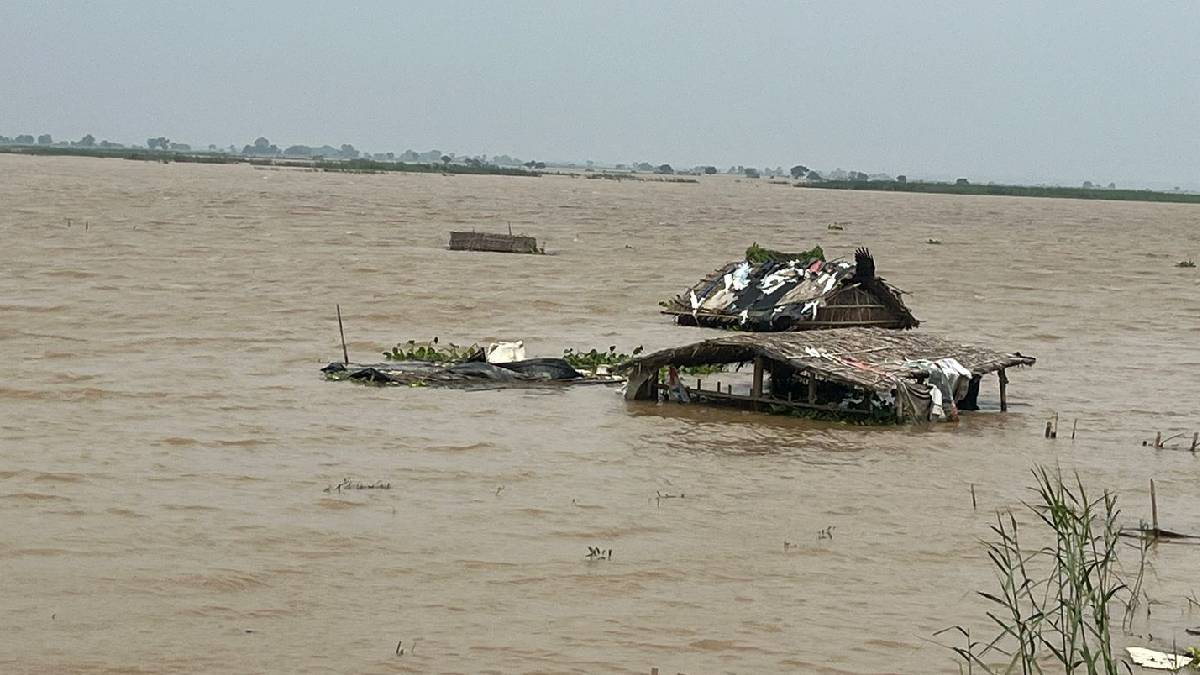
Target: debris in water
{"x": 660, "y": 495}
{"x": 598, "y": 554}
{"x": 348, "y": 484}
{"x": 1148, "y": 658}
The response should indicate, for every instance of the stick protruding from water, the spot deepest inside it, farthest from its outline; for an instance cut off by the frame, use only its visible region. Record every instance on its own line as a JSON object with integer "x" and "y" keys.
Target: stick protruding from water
{"x": 342, "y": 332}
{"x": 1153, "y": 509}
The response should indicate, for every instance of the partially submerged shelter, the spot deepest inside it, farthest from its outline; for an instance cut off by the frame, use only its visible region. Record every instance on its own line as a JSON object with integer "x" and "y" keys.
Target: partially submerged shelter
{"x": 854, "y": 372}
{"x": 774, "y": 291}
{"x": 493, "y": 241}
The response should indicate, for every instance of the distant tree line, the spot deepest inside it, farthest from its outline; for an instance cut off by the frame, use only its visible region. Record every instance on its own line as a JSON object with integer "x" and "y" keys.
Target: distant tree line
{"x": 88, "y": 141}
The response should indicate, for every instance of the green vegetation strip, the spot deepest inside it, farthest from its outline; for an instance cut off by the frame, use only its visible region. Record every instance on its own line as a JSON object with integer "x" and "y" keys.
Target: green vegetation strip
{"x": 1009, "y": 190}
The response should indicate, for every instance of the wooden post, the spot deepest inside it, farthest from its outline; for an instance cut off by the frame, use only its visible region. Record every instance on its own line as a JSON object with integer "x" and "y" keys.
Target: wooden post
{"x": 345, "y": 354}
{"x": 812, "y": 390}
{"x": 1073, "y": 426}
{"x": 1195, "y": 440}
{"x": 1153, "y": 508}
{"x": 1158, "y": 443}
{"x": 697, "y": 384}
{"x": 1003, "y": 391}
{"x": 757, "y": 389}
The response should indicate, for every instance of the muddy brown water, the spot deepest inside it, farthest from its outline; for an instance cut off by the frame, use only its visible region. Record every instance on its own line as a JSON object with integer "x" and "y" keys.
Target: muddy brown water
{"x": 166, "y": 440}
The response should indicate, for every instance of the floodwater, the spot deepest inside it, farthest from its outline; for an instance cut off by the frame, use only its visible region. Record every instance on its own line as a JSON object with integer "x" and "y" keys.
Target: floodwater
{"x": 166, "y": 439}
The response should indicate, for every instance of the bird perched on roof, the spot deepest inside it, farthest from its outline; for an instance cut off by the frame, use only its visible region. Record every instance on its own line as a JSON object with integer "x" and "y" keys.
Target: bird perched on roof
{"x": 864, "y": 265}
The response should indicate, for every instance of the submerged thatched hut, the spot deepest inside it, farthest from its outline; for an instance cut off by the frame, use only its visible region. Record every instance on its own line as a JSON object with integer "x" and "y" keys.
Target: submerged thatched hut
{"x": 857, "y": 372}
{"x": 773, "y": 291}
{"x": 493, "y": 241}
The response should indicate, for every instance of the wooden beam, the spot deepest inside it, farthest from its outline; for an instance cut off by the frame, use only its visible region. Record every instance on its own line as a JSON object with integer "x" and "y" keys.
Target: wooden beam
{"x": 767, "y": 400}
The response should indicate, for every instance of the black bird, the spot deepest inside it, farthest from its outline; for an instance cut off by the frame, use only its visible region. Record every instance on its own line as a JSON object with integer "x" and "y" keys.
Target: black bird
{"x": 864, "y": 265}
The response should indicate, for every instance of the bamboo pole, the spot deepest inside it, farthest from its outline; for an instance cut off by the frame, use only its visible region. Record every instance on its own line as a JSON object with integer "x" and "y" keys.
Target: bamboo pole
{"x": 1195, "y": 440}
{"x": 342, "y": 332}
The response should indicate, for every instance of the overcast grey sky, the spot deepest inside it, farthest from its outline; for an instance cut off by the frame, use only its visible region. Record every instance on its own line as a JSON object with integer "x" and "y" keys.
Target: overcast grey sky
{"x": 1003, "y": 90}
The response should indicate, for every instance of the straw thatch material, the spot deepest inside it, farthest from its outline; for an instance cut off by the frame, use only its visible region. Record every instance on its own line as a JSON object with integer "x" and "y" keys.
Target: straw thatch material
{"x": 870, "y": 358}
{"x": 793, "y": 295}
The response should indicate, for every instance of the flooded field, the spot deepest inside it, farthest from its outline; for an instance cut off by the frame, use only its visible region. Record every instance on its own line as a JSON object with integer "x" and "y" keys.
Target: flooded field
{"x": 166, "y": 439}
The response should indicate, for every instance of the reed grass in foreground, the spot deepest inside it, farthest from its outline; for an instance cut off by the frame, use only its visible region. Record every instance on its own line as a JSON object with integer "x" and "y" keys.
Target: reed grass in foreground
{"x": 1054, "y": 603}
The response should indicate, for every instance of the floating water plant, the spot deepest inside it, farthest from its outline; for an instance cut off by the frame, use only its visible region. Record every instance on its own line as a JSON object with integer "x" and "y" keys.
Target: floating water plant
{"x": 594, "y": 358}
{"x": 433, "y": 352}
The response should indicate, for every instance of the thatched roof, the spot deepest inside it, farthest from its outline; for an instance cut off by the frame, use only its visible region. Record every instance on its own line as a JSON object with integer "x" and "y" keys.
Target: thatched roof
{"x": 871, "y": 358}
{"x": 793, "y": 293}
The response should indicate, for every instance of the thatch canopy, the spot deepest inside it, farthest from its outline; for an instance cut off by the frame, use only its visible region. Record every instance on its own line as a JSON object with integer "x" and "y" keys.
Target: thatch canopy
{"x": 871, "y": 358}
{"x": 801, "y": 293}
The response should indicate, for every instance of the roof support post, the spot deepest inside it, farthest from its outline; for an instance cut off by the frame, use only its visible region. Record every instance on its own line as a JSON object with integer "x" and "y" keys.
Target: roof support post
{"x": 757, "y": 390}
{"x": 812, "y": 389}
{"x": 1003, "y": 391}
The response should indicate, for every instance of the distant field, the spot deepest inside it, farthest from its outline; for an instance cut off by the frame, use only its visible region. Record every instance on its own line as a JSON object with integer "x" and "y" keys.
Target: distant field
{"x": 1009, "y": 190}
{"x": 343, "y": 165}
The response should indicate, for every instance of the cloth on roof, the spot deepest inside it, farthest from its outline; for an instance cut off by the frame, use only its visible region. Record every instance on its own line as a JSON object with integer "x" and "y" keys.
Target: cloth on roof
{"x": 779, "y": 294}
{"x": 739, "y": 278}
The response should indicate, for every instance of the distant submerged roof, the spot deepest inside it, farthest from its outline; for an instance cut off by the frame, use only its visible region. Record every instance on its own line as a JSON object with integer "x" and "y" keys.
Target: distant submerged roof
{"x": 773, "y": 291}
